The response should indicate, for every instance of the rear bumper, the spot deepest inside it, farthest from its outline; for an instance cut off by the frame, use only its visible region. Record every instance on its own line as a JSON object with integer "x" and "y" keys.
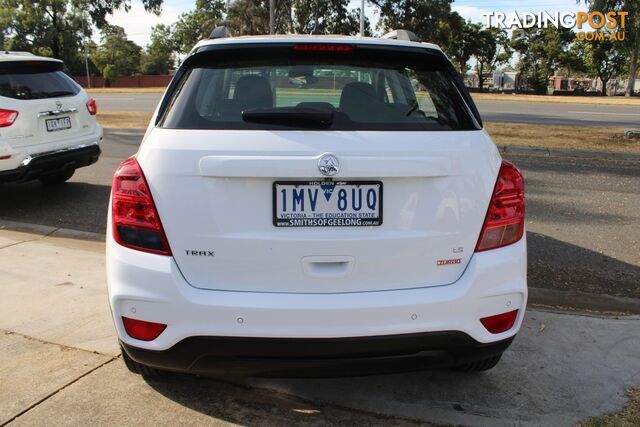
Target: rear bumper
{"x": 318, "y": 357}
{"x": 37, "y": 165}
{"x": 201, "y": 322}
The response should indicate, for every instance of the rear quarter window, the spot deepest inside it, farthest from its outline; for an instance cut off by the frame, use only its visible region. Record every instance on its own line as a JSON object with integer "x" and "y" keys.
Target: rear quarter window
{"x": 365, "y": 89}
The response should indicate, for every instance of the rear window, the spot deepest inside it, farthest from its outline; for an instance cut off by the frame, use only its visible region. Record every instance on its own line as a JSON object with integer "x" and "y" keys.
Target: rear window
{"x": 282, "y": 88}
{"x": 35, "y": 80}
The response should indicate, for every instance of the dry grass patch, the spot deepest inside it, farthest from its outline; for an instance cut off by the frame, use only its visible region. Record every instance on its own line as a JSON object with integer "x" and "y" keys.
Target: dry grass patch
{"x": 111, "y": 119}
{"x": 595, "y": 100}
{"x": 568, "y": 137}
{"x": 126, "y": 90}
{"x": 628, "y": 417}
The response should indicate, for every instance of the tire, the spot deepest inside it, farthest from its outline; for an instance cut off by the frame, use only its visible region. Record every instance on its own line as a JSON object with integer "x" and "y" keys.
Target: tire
{"x": 57, "y": 178}
{"x": 139, "y": 368}
{"x": 479, "y": 365}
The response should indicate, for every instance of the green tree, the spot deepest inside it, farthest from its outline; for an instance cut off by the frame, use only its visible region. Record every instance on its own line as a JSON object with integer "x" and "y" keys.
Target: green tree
{"x": 332, "y": 16}
{"x": 158, "y": 55}
{"x": 197, "y": 24}
{"x": 98, "y": 10}
{"x": 431, "y": 20}
{"x": 57, "y": 27}
{"x": 116, "y": 55}
{"x": 542, "y": 51}
{"x": 631, "y": 43}
{"x": 606, "y": 59}
{"x": 492, "y": 50}
{"x": 248, "y": 17}
{"x": 50, "y": 28}
{"x": 462, "y": 48}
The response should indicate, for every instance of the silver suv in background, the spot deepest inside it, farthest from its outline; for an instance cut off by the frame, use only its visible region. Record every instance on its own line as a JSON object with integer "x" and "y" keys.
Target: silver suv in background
{"x": 48, "y": 125}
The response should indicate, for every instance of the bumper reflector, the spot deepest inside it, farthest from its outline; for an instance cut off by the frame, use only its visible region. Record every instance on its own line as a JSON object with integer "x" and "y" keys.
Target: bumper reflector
{"x": 500, "y": 322}
{"x": 141, "y": 330}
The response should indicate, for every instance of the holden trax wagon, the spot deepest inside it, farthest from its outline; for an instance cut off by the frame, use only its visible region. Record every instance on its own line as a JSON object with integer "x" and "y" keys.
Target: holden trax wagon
{"x": 48, "y": 126}
{"x": 316, "y": 205}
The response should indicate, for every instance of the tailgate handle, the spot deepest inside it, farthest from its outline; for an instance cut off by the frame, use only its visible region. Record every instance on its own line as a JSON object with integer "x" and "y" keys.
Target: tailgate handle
{"x": 327, "y": 267}
{"x": 58, "y": 112}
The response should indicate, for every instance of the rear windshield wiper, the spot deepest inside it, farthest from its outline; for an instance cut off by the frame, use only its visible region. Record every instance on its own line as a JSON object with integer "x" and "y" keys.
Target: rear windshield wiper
{"x": 289, "y": 116}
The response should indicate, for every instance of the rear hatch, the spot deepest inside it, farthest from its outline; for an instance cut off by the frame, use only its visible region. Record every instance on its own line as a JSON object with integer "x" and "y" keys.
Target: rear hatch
{"x": 258, "y": 191}
{"x": 52, "y": 108}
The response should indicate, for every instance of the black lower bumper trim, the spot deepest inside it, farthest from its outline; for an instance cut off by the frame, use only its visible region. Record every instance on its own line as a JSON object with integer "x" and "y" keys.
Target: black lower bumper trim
{"x": 53, "y": 163}
{"x": 313, "y": 357}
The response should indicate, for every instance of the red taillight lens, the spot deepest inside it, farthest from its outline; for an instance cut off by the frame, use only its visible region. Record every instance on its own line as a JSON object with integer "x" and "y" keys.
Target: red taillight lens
{"x": 141, "y": 330}
{"x": 136, "y": 223}
{"x": 7, "y": 117}
{"x": 500, "y": 322}
{"x": 92, "y": 106}
{"x": 319, "y": 47}
{"x": 504, "y": 223}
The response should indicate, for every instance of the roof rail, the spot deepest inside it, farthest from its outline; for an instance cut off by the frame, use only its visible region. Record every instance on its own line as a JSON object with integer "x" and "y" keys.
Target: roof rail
{"x": 13, "y": 52}
{"x": 404, "y": 35}
{"x": 220, "y": 32}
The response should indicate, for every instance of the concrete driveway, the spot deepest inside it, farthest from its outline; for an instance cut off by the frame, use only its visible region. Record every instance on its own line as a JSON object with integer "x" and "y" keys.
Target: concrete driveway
{"x": 59, "y": 364}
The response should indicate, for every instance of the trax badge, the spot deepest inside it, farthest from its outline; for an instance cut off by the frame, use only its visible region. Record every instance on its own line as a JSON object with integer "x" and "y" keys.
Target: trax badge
{"x": 200, "y": 253}
{"x": 328, "y": 164}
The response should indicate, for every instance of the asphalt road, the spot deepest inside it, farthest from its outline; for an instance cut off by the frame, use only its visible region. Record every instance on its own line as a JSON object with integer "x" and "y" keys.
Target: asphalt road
{"x": 493, "y": 111}
{"x": 583, "y": 215}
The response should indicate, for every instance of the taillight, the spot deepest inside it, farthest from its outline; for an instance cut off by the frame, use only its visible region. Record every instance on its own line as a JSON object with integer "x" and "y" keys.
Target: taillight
{"x": 141, "y": 330}
{"x": 92, "y": 106}
{"x": 504, "y": 223}
{"x": 136, "y": 223}
{"x": 500, "y": 322}
{"x": 7, "y": 117}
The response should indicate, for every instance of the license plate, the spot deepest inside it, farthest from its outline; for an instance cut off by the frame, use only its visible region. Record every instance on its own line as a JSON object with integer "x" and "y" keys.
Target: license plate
{"x": 62, "y": 123}
{"x": 327, "y": 203}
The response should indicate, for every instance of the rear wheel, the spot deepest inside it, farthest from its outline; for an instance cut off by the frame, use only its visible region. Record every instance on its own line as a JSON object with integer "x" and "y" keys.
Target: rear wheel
{"x": 57, "y": 178}
{"x": 478, "y": 365}
{"x": 139, "y": 368}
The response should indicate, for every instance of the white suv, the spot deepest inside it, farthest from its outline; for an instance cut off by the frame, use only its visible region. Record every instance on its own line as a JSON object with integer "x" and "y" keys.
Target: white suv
{"x": 48, "y": 127}
{"x": 313, "y": 205}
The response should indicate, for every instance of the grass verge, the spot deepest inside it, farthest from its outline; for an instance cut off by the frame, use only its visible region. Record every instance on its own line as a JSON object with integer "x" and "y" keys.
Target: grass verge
{"x": 594, "y": 100}
{"x": 112, "y": 119}
{"x": 568, "y": 137}
{"x": 628, "y": 417}
{"x": 126, "y": 90}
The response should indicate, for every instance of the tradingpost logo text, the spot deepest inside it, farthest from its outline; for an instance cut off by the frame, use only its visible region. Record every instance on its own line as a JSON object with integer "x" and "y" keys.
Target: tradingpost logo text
{"x": 590, "y": 25}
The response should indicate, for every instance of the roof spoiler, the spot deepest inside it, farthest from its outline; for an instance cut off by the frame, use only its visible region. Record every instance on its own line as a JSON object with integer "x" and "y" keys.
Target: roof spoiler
{"x": 403, "y": 35}
{"x": 220, "y": 32}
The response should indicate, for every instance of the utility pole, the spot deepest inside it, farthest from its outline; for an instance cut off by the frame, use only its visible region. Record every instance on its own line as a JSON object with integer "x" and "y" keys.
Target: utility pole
{"x": 272, "y": 16}
{"x": 84, "y": 47}
{"x": 362, "y": 19}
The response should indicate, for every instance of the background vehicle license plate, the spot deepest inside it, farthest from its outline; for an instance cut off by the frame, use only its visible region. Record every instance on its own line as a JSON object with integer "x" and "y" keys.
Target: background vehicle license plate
{"x": 327, "y": 203}
{"x": 58, "y": 124}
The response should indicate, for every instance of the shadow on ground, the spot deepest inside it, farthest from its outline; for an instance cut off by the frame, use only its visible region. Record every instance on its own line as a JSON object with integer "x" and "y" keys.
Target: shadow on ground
{"x": 75, "y": 205}
{"x": 558, "y": 265}
{"x": 243, "y": 405}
